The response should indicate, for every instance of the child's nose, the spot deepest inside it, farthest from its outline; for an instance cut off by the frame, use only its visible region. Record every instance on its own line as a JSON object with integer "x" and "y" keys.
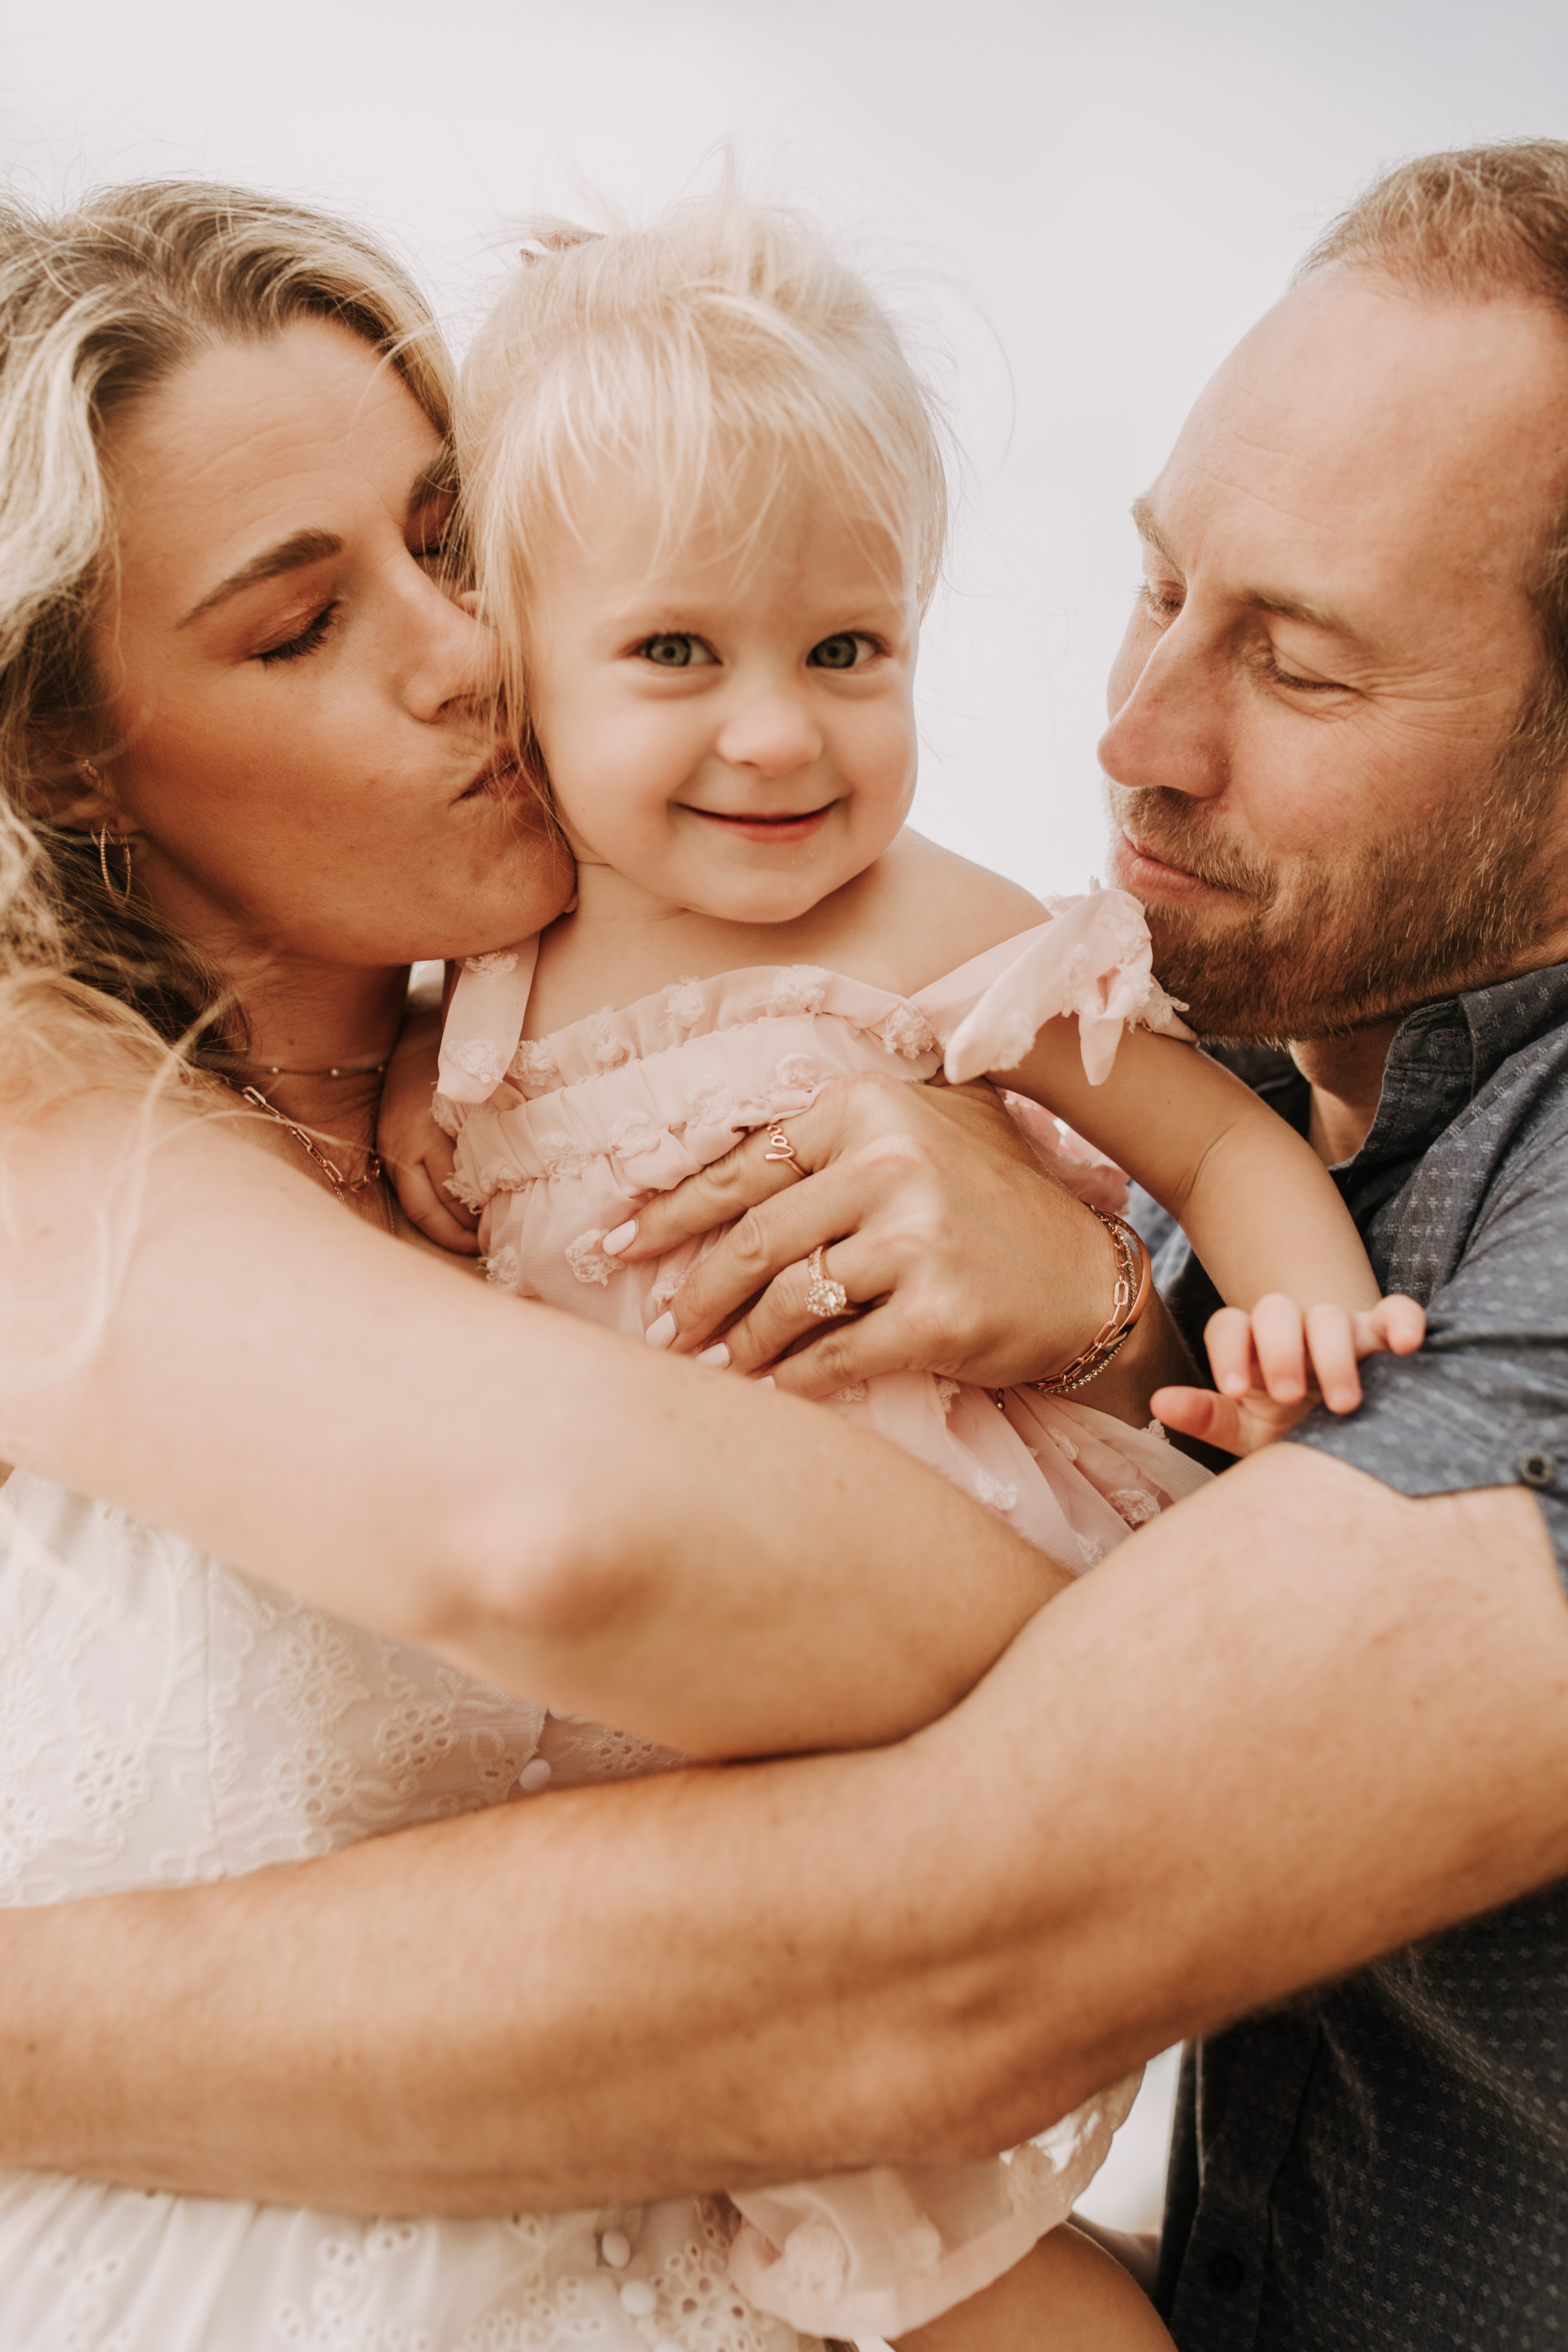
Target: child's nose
{"x": 772, "y": 730}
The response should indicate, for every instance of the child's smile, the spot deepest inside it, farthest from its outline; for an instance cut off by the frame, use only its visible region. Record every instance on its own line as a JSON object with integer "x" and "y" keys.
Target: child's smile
{"x": 727, "y": 723}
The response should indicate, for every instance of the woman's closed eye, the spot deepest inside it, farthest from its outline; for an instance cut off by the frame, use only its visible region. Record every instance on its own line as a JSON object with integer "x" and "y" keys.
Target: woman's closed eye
{"x": 675, "y": 650}
{"x": 311, "y": 635}
{"x": 847, "y": 650}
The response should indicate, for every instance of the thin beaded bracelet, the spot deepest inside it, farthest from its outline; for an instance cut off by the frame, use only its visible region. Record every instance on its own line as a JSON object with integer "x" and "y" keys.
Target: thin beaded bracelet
{"x": 1134, "y": 1275}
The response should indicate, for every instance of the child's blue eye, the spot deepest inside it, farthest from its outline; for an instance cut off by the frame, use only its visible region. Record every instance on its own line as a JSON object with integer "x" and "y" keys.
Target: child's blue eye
{"x": 675, "y": 651}
{"x": 845, "y": 652}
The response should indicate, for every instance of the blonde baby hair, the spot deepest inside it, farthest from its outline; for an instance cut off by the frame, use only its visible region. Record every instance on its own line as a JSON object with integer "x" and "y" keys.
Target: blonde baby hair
{"x": 719, "y": 356}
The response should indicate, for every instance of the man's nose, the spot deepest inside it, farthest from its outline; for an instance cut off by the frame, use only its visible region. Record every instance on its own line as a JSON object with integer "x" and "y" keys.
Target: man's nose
{"x": 1170, "y": 727}
{"x": 770, "y": 727}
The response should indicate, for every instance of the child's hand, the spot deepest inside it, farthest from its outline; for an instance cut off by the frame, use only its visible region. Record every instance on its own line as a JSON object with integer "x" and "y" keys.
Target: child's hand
{"x": 1272, "y": 1366}
{"x": 417, "y": 1157}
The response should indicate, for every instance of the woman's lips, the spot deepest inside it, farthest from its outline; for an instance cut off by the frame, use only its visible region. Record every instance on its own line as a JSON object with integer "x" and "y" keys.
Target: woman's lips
{"x": 496, "y": 780}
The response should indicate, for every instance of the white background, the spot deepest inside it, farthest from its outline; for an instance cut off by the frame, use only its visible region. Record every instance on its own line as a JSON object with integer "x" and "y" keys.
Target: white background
{"x": 1091, "y": 202}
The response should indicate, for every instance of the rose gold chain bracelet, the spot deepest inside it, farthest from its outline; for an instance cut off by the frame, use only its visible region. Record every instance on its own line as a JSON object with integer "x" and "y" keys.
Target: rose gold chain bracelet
{"x": 1134, "y": 1275}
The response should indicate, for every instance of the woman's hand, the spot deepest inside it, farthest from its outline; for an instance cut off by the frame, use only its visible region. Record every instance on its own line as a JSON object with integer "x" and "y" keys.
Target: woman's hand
{"x": 417, "y": 1155}
{"x": 969, "y": 1258}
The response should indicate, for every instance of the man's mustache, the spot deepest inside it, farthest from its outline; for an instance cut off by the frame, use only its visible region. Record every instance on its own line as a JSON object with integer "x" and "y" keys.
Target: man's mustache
{"x": 1177, "y": 830}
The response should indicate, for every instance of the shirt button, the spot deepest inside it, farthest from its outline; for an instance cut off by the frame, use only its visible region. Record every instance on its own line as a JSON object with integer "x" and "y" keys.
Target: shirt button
{"x": 1226, "y": 2271}
{"x": 638, "y": 2300}
{"x": 1537, "y": 1470}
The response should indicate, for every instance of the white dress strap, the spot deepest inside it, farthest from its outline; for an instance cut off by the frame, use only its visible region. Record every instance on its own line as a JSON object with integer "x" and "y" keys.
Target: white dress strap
{"x": 1093, "y": 959}
{"x": 485, "y": 1020}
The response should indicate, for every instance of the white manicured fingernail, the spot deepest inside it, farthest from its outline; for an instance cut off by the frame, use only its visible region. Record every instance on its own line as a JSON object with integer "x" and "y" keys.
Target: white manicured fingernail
{"x": 622, "y": 1238}
{"x": 718, "y": 1355}
{"x": 660, "y": 1334}
{"x": 767, "y": 1381}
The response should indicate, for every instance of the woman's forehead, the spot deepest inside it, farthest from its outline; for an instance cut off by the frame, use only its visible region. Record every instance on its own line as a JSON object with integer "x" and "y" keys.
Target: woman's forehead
{"x": 259, "y": 441}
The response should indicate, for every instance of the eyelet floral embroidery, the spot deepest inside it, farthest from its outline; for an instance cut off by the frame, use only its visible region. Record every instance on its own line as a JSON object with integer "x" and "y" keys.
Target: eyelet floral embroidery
{"x": 609, "y": 1049}
{"x": 684, "y": 1005}
{"x": 907, "y": 1033}
{"x": 504, "y": 1269}
{"x": 497, "y": 959}
{"x": 802, "y": 989}
{"x": 478, "y": 1058}
{"x": 587, "y": 1260}
{"x": 534, "y": 1066}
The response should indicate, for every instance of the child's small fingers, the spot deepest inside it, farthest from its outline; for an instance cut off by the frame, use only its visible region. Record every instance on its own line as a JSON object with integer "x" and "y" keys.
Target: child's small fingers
{"x": 1198, "y": 1412}
{"x": 1228, "y": 1336}
{"x": 1332, "y": 1345}
{"x": 1278, "y": 1341}
{"x": 1401, "y": 1324}
{"x": 440, "y": 1221}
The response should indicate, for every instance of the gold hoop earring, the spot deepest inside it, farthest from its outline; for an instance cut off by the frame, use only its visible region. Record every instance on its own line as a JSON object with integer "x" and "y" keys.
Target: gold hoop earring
{"x": 90, "y": 772}
{"x": 116, "y": 898}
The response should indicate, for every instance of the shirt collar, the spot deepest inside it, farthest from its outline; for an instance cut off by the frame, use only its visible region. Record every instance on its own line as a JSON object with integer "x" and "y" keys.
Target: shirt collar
{"x": 1443, "y": 1055}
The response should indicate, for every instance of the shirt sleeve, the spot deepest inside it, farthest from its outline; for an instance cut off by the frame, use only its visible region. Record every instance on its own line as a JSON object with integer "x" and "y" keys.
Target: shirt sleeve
{"x": 1485, "y": 1403}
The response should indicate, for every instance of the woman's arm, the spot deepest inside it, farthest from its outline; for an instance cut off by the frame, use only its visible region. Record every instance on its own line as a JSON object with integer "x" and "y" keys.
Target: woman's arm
{"x": 563, "y": 1511}
{"x": 1294, "y": 1723}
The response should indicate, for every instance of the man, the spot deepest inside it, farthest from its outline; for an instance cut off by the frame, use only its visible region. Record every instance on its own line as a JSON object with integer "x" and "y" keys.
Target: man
{"x": 1309, "y": 1730}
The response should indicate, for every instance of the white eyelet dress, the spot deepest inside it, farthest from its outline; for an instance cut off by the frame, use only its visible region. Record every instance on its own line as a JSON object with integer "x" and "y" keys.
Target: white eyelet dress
{"x": 165, "y": 1720}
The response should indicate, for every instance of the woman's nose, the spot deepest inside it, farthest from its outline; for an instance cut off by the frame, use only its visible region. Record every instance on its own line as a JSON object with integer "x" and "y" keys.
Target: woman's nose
{"x": 455, "y": 658}
{"x": 1170, "y": 714}
{"x": 770, "y": 728}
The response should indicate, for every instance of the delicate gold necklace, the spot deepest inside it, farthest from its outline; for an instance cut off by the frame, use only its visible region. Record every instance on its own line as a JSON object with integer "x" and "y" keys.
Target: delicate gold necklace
{"x": 329, "y": 1168}
{"x": 342, "y": 1070}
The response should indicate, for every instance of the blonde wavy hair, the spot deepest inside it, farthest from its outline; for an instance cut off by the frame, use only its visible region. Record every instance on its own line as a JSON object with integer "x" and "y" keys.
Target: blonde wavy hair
{"x": 98, "y": 307}
{"x": 719, "y": 356}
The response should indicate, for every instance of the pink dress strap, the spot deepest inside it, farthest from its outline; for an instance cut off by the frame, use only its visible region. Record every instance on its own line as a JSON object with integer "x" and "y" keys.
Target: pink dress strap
{"x": 1093, "y": 959}
{"x": 484, "y": 1022}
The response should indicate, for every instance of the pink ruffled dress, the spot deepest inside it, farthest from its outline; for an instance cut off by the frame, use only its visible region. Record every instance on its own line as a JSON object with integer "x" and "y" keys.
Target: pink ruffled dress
{"x": 558, "y": 1139}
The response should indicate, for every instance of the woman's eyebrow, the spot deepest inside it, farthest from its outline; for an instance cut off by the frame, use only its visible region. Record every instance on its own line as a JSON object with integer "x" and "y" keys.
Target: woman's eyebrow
{"x": 288, "y": 555}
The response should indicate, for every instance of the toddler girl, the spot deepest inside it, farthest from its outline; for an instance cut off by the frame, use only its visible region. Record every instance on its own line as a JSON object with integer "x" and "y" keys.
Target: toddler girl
{"x": 707, "y": 508}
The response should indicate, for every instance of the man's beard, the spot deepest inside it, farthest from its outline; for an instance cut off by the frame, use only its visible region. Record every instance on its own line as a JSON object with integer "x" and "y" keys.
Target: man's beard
{"x": 1364, "y": 938}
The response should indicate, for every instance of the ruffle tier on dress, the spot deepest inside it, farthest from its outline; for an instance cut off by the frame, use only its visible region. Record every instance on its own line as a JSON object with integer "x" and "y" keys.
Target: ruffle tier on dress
{"x": 560, "y": 1139}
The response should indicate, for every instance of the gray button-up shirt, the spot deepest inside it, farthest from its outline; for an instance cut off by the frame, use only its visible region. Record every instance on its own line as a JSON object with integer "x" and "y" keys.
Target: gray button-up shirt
{"x": 1384, "y": 2163}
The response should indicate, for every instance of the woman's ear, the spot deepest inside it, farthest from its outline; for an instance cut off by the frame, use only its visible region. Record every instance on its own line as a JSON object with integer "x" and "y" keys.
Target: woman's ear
{"x": 66, "y": 788}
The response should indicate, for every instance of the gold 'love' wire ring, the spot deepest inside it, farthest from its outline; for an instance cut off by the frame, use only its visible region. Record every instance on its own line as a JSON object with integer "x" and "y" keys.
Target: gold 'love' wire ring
{"x": 781, "y": 1148}
{"x": 824, "y": 1296}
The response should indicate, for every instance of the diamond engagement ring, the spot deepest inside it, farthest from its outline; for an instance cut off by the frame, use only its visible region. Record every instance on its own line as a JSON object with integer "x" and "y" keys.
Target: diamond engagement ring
{"x": 824, "y": 1296}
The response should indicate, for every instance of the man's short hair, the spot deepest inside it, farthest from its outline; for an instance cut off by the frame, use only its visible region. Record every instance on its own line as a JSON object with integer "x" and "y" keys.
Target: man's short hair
{"x": 1479, "y": 221}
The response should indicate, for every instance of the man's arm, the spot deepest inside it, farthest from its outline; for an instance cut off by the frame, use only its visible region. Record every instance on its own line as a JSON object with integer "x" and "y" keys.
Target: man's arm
{"x": 1294, "y": 1723}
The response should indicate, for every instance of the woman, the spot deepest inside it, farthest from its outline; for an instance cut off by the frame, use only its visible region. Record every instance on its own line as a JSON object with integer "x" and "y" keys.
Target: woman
{"x": 249, "y": 778}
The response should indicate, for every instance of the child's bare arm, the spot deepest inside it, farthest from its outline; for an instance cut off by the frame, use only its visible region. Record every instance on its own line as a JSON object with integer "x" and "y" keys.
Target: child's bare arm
{"x": 1254, "y": 1198}
{"x": 417, "y": 1155}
